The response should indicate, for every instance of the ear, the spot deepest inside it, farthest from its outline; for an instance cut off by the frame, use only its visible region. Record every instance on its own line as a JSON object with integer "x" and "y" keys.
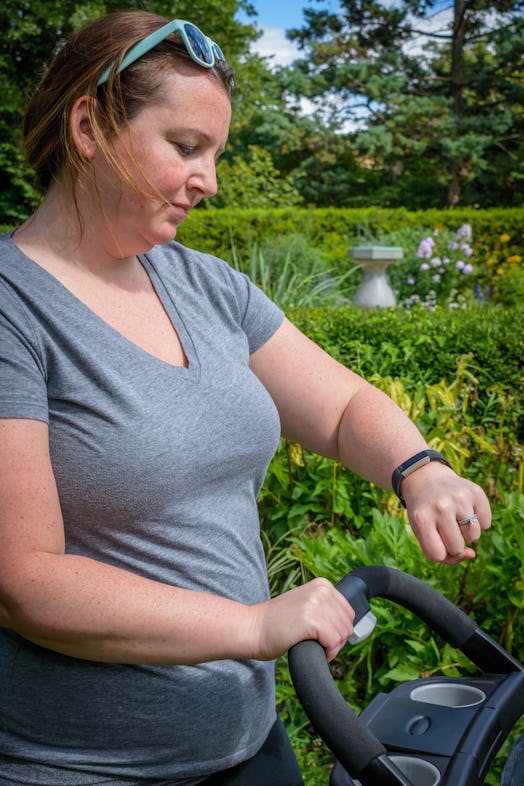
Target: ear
{"x": 81, "y": 128}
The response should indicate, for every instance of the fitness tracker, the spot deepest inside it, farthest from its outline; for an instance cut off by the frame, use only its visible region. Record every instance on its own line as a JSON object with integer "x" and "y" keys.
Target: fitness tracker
{"x": 411, "y": 465}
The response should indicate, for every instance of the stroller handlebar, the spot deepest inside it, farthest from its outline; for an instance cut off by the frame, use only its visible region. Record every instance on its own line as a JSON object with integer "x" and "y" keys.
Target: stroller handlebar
{"x": 361, "y": 753}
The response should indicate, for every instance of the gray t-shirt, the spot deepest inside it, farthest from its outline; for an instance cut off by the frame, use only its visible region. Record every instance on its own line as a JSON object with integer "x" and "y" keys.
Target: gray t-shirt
{"x": 158, "y": 470}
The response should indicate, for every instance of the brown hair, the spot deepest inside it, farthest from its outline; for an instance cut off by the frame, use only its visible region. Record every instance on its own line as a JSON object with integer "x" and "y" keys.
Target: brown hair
{"x": 75, "y": 71}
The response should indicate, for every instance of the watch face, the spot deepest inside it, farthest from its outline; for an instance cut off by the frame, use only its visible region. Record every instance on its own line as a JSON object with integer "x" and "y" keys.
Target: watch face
{"x": 411, "y": 465}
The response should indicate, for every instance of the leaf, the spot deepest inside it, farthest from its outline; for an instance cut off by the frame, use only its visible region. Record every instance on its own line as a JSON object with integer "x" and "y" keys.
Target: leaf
{"x": 402, "y": 673}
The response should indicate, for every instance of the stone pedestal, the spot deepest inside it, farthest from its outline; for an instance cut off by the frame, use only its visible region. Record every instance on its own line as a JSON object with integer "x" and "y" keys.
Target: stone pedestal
{"x": 374, "y": 290}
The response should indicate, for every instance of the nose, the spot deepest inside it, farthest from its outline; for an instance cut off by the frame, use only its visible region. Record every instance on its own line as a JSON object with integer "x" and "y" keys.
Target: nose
{"x": 204, "y": 178}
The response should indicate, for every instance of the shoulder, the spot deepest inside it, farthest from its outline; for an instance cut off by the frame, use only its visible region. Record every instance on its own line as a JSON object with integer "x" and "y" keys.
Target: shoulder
{"x": 17, "y": 282}
{"x": 195, "y": 275}
{"x": 8, "y": 252}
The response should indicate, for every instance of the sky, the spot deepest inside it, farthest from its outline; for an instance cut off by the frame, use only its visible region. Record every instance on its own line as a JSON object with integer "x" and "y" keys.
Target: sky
{"x": 274, "y": 17}
{"x": 281, "y": 14}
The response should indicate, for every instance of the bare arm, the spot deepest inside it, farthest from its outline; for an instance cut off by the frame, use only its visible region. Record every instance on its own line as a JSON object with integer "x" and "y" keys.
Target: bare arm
{"x": 87, "y": 609}
{"x": 334, "y": 412}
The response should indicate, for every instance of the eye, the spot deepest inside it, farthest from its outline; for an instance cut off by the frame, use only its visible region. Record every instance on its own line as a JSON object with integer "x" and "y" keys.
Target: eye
{"x": 185, "y": 150}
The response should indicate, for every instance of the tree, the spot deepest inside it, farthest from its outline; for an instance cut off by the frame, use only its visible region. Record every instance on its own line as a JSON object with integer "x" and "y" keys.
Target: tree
{"x": 31, "y": 32}
{"x": 305, "y": 149}
{"x": 438, "y": 124}
{"x": 252, "y": 179}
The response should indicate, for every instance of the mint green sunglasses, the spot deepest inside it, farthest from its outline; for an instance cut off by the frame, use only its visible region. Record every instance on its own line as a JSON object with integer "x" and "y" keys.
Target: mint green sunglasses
{"x": 203, "y": 50}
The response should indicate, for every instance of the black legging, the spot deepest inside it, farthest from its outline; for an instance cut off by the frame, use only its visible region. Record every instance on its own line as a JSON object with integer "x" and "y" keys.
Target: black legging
{"x": 274, "y": 765}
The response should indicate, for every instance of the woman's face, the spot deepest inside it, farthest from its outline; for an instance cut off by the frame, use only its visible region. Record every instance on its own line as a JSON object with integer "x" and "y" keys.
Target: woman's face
{"x": 170, "y": 148}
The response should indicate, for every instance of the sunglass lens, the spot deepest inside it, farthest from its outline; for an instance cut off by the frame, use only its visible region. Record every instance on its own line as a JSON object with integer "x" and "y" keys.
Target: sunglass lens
{"x": 199, "y": 44}
{"x": 219, "y": 55}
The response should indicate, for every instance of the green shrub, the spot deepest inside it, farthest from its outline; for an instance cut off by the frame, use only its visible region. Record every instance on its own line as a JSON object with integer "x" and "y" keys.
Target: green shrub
{"x": 418, "y": 346}
{"x": 292, "y": 273}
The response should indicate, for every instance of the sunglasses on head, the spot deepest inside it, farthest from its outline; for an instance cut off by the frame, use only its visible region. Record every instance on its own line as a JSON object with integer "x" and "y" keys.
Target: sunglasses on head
{"x": 203, "y": 50}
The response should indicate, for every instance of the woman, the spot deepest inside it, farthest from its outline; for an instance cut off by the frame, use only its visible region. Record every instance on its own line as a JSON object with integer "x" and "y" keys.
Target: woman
{"x": 144, "y": 389}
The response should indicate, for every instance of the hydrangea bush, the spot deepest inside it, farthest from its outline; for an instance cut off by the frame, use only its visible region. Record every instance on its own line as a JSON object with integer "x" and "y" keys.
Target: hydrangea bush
{"x": 437, "y": 269}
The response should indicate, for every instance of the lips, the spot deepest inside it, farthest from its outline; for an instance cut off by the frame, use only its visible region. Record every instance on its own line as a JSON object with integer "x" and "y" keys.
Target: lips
{"x": 182, "y": 207}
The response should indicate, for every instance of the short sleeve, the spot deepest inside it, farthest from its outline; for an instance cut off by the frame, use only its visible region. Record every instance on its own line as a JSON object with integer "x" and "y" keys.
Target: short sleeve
{"x": 23, "y": 390}
{"x": 259, "y": 316}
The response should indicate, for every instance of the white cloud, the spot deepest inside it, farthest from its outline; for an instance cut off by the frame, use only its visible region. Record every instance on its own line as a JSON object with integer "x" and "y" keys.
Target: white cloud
{"x": 440, "y": 22}
{"x": 274, "y": 45}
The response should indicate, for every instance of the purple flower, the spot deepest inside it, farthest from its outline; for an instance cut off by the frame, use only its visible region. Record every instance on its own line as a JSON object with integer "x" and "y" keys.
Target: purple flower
{"x": 464, "y": 232}
{"x": 411, "y": 280}
{"x": 425, "y": 248}
{"x": 436, "y": 278}
{"x": 466, "y": 250}
{"x": 467, "y": 269}
{"x": 435, "y": 261}
{"x": 424, "y": 266}
{"x": 460, "y": 265}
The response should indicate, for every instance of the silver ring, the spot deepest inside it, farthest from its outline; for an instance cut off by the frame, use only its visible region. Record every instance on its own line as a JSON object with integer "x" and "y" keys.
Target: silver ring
{"x": 469, "y": 520}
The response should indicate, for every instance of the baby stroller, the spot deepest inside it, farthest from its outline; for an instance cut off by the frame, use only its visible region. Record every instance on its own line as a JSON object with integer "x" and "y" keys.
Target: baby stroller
{"x": 438, "y": 731}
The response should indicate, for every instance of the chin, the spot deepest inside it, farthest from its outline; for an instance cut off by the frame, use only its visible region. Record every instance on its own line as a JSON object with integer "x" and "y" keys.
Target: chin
{"x": 159, "y": 238}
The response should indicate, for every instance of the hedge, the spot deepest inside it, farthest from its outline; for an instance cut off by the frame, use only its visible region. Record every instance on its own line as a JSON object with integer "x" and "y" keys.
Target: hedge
{"x": 422, "y": 346}
{"x": 332, "y": 230}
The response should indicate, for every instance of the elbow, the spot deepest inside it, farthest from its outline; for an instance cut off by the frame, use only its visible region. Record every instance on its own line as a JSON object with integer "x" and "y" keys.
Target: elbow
{"x": 22, "y": 603}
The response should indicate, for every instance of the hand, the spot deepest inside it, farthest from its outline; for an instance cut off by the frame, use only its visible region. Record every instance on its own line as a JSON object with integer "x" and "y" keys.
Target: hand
{"x": 436, "y": 500}
{"x": 315, "y": 610}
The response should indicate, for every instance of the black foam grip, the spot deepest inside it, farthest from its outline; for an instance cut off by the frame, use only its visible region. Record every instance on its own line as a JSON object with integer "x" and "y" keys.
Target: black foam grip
{"x": 350, "y": 740}
{"x": 433, "y": 608}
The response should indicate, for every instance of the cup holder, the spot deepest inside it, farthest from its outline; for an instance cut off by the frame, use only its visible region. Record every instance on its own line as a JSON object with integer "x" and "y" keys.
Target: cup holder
{"x": 448, "y": 694}
{"x": 419, "y": 771}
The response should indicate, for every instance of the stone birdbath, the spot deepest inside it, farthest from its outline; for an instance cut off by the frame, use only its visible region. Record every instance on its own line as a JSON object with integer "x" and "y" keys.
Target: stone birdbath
{"x": 374, "y": 289}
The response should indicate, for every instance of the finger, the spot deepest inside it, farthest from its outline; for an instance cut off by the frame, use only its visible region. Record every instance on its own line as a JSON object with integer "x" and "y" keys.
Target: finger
{"x": 458, "y": 527}
{"x": 477, "y": 505}
{"x": 470, "y": 527}
{"x": 456, "y": 559}
{"x": 328, "y": 613}
{"x": 441, "y": 540}
{"x": 452, "y": 537}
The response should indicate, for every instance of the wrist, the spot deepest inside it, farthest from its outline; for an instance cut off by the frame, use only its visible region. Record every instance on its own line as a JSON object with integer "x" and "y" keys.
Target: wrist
{"x": 411, "y": 465}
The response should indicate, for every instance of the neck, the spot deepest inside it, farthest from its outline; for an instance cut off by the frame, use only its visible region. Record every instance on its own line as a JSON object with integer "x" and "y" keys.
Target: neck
{"x": 64, "y": 229}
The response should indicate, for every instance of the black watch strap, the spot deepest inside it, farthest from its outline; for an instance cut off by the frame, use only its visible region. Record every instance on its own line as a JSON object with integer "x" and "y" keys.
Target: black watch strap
{"x": 411, "y": 465}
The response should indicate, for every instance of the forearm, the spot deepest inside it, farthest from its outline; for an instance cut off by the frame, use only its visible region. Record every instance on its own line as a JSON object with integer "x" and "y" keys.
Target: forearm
{"x": 90, "y": 610}
{"x": 375, "y": 436}
{"x": 87, "y": 609}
